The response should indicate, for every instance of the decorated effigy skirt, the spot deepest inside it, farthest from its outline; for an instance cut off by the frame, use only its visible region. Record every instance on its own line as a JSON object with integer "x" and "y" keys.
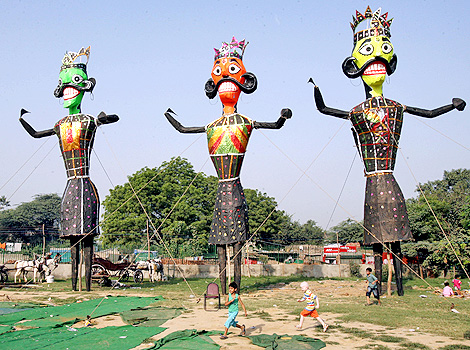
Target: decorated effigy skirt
{"x": 385, "y": 213}
{"x": 230, "y": 220}
{"x": 79, "y": 210}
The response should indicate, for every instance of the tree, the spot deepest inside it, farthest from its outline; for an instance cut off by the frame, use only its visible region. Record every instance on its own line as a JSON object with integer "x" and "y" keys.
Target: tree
{"x": 348, "y": 231}
{"x": 442, "y": 255}
{"x": 308, "y": 233}
{"x": 4, "y": 202}
{"x": 183, "y": 219}
{"x": 269, "y": 223}
{"x": 449, "y": 200}
{"x": 29, "y": 217}
{"x": 313, "y": 233}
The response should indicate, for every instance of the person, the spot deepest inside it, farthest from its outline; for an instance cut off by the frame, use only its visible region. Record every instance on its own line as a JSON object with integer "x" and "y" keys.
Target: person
{"x": 372, "y": 287}
{"x": 232, "y": 301}
{"x": 310, "y": 309}
{"x": 447, "y": 292}
{"x": 457, "y": 283}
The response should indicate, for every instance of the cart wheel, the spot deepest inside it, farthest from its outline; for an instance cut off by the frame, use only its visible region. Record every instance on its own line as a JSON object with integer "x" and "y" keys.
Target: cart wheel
{"x": 97, "y": 269}
{"x": 124, "y": 275}
{"x": 138, "y": 276}
{"x": 3, "y": 277}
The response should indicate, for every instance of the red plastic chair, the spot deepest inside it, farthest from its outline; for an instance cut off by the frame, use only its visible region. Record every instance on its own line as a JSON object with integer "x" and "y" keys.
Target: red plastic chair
{"x": 212, "y": 292}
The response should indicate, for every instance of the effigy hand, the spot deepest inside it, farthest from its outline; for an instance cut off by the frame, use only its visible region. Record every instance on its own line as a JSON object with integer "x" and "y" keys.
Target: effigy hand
{"x": 286, "y": 113}
{"x": 23, "y": 112}
{"x": 458, "y": 103}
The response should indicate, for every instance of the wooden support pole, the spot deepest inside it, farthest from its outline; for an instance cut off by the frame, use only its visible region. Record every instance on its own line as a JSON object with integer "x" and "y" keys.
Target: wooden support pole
{"x": 43, "y": 241}
{"x": 80, "y": 267}
{"x": 389, "y": 280}
{"x": 148, "y": 241}
{"x": 229, "y": 267}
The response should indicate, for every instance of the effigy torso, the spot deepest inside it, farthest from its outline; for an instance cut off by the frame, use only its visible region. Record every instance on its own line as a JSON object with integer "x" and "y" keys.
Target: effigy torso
{"x": 377, "y": 124}
{"x": 80, "y": 202}
{"x": 227, "y": 139}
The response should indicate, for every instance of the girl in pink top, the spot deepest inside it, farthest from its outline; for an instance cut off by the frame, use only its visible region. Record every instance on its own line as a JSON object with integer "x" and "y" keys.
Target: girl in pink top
{"x": 457, "y": 283}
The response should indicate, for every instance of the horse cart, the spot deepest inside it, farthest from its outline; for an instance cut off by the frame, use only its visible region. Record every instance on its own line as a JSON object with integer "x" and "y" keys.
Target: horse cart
{"x": 104, "y": 268}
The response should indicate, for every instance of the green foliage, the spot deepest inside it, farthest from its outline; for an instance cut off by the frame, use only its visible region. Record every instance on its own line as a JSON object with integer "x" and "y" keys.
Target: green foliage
{"x": 442, "y": 255}
{"x": 466, "y": 334}
{"x": 312, "y": 233}
{"x": 261, "y": 206}
{"x": 449, "y": 199}
{"x": 160, "y": 193}
{"x": 349, "y": 231}
{"x": 4, "y": 202}
{"x": 355, "y": 269}
{"x": 29, "y": 217}
{"x": 293, "y": 232}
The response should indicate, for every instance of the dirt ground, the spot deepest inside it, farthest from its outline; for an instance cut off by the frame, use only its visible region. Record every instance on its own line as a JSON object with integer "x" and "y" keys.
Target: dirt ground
{"x": 271, "y": 320}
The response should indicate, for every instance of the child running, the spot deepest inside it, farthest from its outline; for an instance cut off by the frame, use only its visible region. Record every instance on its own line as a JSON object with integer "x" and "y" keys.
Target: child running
{"x": 232, "y": 301}
{"x": 372, "y": 287}
{"x": 310, "y": 309}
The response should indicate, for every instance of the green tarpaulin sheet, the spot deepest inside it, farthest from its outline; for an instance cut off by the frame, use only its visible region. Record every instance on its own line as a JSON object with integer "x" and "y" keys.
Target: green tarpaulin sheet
{"x": 152, "y": 317}
{"x": 68, "y": 314}
{"x": 62, "y": 338}
{"x": 4, "y": 329}
{"x": 189, "y": 339}
{"x": 286, "y": 342}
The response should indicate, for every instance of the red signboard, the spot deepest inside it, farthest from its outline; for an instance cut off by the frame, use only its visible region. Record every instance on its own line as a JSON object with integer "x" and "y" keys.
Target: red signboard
{"x": 341, "y": 249}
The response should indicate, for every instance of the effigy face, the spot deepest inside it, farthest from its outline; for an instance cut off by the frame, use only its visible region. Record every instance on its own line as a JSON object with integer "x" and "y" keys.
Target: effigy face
{"x": 374, "y": 54}
{"x": 70, "y": 81}
{"x": 228, "y": 71}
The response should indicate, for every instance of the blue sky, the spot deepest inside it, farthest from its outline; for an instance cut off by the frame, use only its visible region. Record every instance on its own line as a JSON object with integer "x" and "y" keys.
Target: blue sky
{"x": 150, "y": 55}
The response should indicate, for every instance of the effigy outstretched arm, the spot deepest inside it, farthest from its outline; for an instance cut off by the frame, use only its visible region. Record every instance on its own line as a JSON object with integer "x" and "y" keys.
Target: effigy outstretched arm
{"x": 30, "y": 129}
{"x": 286, "y": 113}
{"x": 322, "y": 108}
{"x": 183, "y": 129}
{"x": 104, "y": 118}
{"x": 457, "y": 103}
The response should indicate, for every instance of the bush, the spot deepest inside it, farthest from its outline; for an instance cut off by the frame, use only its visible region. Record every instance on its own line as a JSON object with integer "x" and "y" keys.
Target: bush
{"x": 466, "y": 334}
{"x": 355, "y": 269}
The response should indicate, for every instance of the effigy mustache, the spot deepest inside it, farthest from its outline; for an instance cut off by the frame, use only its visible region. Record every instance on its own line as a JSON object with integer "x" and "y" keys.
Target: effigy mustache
{"x": 351, "y": 70}
{"x": 248, "y": 87}
{"x": 89, "y": 85}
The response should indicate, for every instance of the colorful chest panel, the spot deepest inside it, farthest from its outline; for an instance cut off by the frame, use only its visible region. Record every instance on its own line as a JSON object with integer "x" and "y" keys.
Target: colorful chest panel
{"x": 377, "y": 125}
{"x": 76, "y": 134}
{"x": 229, "y": 134}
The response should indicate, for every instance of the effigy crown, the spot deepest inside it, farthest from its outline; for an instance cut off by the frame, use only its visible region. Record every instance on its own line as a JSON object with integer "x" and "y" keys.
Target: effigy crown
{"x": 379, "y": 26}
{"x": 70, "y": 57}
{"x": 233, "y": 49}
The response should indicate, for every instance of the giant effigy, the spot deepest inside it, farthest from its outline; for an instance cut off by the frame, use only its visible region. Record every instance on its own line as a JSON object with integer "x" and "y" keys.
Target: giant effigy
{"x": 376, "y": 127}
{"x": 79, "y": 211}
{"x": 227, "y": 139}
